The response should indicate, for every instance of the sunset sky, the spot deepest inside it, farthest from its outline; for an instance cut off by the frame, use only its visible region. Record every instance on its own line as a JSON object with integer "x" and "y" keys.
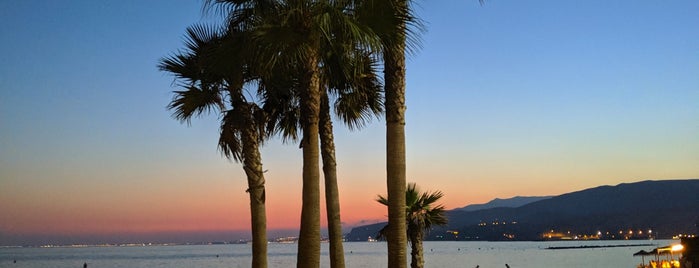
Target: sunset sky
{"x": 508, "y": 98}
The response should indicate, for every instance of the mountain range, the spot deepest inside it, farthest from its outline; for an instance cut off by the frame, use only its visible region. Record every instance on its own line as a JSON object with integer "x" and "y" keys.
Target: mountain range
{"x": 513, "y": 202}
{"x": 641, "y": 210}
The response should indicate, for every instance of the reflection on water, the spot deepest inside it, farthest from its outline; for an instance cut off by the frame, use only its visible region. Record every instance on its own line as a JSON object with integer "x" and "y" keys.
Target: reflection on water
{"x": 357, "y": 254}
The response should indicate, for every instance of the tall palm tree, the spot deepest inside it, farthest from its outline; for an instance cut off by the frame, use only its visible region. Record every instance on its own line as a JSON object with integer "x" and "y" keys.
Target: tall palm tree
{"x": 421, "y": 214}
{"x": 394, "y": 22}
{"x": 358, "y": 99}
{"x": 275, "y": 24}
{"x": 349, "y": 78}
{"x": 390, "y": 19}
{"x": 242, "y": 132}
{"x": 291, "y": 33}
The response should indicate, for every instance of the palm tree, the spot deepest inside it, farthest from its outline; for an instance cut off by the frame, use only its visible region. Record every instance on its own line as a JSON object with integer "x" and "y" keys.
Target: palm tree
{"x": 421, "y": 214}
{"x": 358, "y": 99}
{"x": 350, "y": 78}
{"x": 393, "y": 21}
{"x": 390, "y": 19}
{"x": 274, "y": 24}
{"x": 242, "y": 125}
{"x": 290, "y": 33}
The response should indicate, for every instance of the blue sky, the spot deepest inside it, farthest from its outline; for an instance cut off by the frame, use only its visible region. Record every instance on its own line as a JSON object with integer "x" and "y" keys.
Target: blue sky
{"x": 506, "y": 98}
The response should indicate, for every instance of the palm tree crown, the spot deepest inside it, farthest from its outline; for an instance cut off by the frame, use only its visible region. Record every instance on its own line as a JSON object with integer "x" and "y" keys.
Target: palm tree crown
{"x": 421, "y": 214}
{"x": 420, "y": 209}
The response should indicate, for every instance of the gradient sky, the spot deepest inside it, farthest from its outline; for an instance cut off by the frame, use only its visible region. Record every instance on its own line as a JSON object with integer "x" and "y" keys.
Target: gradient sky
{"x": 509, "y": 98}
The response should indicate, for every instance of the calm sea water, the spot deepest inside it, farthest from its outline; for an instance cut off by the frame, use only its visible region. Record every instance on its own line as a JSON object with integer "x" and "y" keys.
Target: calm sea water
{"x": 357, "y": 254}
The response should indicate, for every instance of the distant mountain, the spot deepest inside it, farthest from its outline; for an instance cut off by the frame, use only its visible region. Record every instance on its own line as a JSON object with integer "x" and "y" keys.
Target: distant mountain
{"x": 625, "y": 211}
{"x": 513, "y": 202}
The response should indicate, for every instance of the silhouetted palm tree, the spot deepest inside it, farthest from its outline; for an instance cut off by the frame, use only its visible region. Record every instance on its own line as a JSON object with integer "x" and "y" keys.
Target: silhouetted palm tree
{"x": 206, "y": 82}
{"x": 397, "y": 27}
{"x": 348, "y": 79}
{"x": 289, "y": 36}
{"x": 359, "y": 97}
{"x": 391, "y": 21}
{"x": 421, "y": 214}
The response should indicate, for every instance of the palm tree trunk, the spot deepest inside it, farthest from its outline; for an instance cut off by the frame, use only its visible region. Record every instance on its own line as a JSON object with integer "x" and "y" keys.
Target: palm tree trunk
{"x": 416, "y": 253}
{"x": 309, "y": 237}
{"x": 394, "y": 76}
{"x": 256, "y": 188}
{"x": 258, "y": 214}
{"x": 332, "y": 196}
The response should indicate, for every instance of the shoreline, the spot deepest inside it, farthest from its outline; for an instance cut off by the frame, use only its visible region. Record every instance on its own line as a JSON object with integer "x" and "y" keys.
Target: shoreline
{"x": 603, "y": 246}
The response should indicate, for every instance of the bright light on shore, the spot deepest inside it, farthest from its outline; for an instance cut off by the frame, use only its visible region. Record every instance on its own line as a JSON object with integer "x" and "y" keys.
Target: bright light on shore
{"x": 677, "y": 247}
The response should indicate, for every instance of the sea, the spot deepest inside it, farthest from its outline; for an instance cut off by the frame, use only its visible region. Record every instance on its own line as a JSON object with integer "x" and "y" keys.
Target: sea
{"x": 580, "y": 254}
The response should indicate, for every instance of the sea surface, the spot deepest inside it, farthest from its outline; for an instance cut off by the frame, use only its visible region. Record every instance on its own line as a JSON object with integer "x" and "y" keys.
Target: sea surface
{"x": 357, "y": 254}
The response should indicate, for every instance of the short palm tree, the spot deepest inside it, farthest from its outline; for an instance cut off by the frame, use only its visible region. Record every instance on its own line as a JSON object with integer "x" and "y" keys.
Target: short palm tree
{"x": 205, "y": 84}
{"x": 421, "y": 214}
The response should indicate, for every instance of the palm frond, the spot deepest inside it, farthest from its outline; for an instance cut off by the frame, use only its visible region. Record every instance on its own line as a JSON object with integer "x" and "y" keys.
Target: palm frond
{"x": 382, "y": 200}
{"x": 182, "y": 65}
{"x": 338, "y": 23}
{"x": 421, "y": 213}
{"x": 350, "y": 74}
{"x": 383, "y": 233}
{"x": 281, "y": 104}
{"x": 260, "y": 119}
{"x": 194, "y": 102}
{"x": 393, "y": 21}
{"x": 198, "y": 36}
{"x": 229, "y": 142}
{"x": 428, "y": 198}
{"x": 357, "y": 108}
{"x": 412, "y": 195}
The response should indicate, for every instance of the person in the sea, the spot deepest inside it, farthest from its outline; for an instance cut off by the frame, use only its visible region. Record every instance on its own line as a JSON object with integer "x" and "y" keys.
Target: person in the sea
{"x": 85, "y": 265}
{"x": 506, "y": 265}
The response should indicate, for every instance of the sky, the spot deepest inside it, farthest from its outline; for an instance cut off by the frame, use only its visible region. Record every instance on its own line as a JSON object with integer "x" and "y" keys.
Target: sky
{"x": 508, "y": 98}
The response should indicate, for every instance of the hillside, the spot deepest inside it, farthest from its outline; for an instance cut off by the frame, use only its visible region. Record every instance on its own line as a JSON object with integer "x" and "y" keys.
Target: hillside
{"x": 666, "y": 208}
{"x": 513, "y": 202}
